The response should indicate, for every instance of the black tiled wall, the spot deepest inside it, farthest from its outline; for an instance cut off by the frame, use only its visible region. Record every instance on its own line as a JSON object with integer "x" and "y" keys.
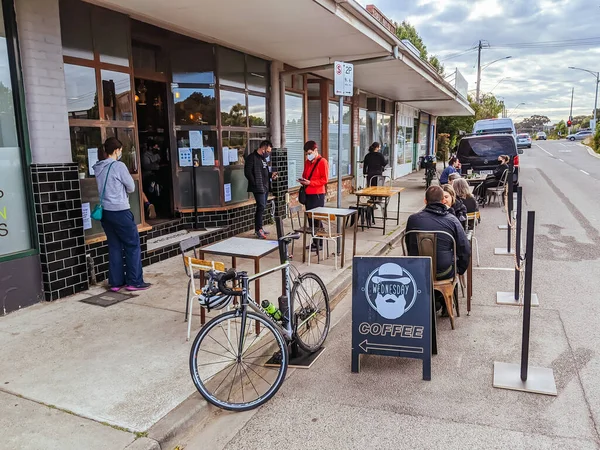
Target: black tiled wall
{"x": 57, "y": 200}
{"x": 280, "y": 185}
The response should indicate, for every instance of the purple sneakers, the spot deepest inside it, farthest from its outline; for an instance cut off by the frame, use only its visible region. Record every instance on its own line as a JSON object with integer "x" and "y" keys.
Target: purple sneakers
{"x": 141, "y": 287}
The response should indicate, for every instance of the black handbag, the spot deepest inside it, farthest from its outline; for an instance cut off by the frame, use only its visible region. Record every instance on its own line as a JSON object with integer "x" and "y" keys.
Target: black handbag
{"x": 302, "y": 191}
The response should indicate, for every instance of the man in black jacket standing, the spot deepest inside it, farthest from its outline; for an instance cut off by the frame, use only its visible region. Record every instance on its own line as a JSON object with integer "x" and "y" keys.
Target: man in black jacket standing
{"x": 256, "y": 170}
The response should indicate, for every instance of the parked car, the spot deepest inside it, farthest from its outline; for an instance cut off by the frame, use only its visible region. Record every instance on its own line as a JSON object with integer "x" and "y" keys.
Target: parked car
{"x": 497, "y": 125}
{"x": 480, "y": 153}
{"x": 541, "y": 136}
{"x": 580, "y": 135}
{"x": 523, "y": 140}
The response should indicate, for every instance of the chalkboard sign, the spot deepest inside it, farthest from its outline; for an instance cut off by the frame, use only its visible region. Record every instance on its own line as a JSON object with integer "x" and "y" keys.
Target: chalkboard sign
{"x": 392, "y": 309}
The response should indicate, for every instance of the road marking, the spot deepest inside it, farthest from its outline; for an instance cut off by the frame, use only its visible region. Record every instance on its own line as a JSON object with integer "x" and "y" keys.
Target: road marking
{"x": 562, "y": 144}
{"x": 560, "y": 160}
{"x": 544, "y": 150}
{"x": 584, "y": 171}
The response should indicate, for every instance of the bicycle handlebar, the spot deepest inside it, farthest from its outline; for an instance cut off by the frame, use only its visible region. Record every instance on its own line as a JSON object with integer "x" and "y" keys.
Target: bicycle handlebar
{"x": 222, "y": 278}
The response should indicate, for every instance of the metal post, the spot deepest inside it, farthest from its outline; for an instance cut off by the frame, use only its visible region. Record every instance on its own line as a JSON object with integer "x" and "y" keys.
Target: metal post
{"x": 339, "y": 169}
{"x": 596, "y": 100}
{"x": 527, "y": 294}
{"x": 509, "y": 205}
{"x": 195, "y": 163}
{"x": 478, "y": 72}
{"x": 518, "y": 244}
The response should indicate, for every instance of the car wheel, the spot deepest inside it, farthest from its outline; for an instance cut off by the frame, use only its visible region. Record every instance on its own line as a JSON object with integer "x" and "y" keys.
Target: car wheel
{"x": 571, "y": 139}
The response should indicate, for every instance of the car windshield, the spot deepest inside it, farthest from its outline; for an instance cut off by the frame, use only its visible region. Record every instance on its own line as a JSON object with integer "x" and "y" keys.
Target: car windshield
{"x": 487, "y": 147}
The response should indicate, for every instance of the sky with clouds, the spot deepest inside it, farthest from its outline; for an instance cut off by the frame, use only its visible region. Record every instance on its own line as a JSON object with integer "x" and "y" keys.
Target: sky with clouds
{"x": 543, "y": 38}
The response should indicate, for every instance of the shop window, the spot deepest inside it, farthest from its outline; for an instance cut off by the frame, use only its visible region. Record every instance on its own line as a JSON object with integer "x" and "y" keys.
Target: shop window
{"x": 195, "y": 106}
{"x": 314, "y": 121}
{"x": 85, "y": 145}
{"x": 146, "y": 57}
{"x": 299, "y": 82}
{"x": 206, "y": 153}
{"x": 127, "y": 138}
{"x": 257, "y": 111}
{"x": 258, "y": 74}
{"x": 233, "y": 109}
{"x": 77, "y": 36}
{"x": 234, "y": 147}
{"x": 332, "y": 156}
{"x": 346, "y": 141}
{"x": 82, "y": 97}
{"x": 116, "y": 92}
{"x": 254, "y": 140}
{"x": 111, "y": 36}
{"x": 363, "y": 136}
{"x": 314, "y": 89}
{"x": 289, "y": 81}
{"x": 231, "y": 68}
{"x": 208, "y": 189}
{"x": 294, "y": 136}
{"x": 235, "y": 186}
{"x": 193, "y": 64}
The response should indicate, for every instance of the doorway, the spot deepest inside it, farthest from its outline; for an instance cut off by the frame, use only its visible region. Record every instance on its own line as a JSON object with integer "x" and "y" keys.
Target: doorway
{"x": 154, "y": 138}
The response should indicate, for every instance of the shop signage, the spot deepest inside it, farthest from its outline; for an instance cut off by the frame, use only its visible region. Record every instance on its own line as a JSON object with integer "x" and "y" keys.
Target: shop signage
{"x": 392, "y": 313}
{"x": 343, "y": 78}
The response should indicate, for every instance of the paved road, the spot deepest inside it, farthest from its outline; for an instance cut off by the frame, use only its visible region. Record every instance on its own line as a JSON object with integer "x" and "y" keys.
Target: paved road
{"x": 388, "y": 406}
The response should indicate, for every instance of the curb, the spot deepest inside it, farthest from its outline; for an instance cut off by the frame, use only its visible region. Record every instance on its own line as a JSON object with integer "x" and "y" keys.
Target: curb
{"x": 194, "y": 410}
{"x": 591, "y": 151}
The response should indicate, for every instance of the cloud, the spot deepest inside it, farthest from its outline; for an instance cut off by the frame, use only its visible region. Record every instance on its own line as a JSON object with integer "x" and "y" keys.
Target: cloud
{"x": 538, "y": 74}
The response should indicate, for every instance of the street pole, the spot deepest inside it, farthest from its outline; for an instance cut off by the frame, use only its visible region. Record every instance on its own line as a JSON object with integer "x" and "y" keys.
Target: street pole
{"x": 596, "y": 100}
{"x": 571, "y": 111}
{"x": 339, "y": 170}
{"x": 478, "y": 71}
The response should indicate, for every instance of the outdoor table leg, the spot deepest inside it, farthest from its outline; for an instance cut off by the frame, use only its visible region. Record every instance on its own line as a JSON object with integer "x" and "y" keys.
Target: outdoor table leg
{"x": 398, "y": 212}
{"x": 355, "y": 230}
{"x": 202, "y": 311}
{"x": 304, "y": 238}
{"x": 257, "y": 289}
{"x": 343, "y": 242}
{"x": 385, "y": 213}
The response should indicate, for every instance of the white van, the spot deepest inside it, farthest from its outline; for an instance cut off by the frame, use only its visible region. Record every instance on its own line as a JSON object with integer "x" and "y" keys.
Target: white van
{"x": 491, "y": 125}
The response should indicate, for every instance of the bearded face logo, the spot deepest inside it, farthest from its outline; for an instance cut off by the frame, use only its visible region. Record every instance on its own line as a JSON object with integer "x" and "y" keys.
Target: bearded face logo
{"x": 391, "y": 290}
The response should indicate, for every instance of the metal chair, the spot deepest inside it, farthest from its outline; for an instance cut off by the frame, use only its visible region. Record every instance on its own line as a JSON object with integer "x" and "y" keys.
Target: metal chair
{"x": 472, "y": 223}
{"x": 325, "y": 232}
{"x": 380, "y": 180}
{"x": 195, "y": 266}
{"x": 427, "y": 246}
{"x": 188, "y": 246}
{"x": 498, "y": 191}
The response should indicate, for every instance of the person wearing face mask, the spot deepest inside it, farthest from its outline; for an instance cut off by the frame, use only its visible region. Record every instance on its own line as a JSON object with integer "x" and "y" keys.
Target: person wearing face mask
{"x": 314, "y": 177}
{"x": 113, "y": 178}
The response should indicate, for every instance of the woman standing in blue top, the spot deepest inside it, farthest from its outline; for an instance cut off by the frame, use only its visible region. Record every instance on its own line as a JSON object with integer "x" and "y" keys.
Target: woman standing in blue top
{"x": 122, "y": 236}
{"x": 453, "y": 164}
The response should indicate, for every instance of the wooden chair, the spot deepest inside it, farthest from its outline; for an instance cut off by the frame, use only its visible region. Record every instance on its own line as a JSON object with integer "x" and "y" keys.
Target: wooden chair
{"x": 324, "y": 233}
{"x": 193, "y": 267}
{"x": 498, "y": 192}
{"x": 427, "y": 246}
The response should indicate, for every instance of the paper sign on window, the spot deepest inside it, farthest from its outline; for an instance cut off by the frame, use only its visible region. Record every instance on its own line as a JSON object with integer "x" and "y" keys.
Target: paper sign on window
{"x": 227, "y": 189}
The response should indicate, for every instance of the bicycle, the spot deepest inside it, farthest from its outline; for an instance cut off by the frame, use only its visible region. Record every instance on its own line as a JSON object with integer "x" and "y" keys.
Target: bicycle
{"x": 430, "y": 173}
{"x": 254, "y": 383}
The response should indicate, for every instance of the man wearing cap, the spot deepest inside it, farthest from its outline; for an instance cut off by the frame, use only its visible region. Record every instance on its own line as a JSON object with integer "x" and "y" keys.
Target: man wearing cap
{"x": 435, "y": 217}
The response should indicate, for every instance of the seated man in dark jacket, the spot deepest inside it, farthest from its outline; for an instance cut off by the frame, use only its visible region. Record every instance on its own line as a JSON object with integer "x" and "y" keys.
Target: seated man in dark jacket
{"x": 436, "y": 217}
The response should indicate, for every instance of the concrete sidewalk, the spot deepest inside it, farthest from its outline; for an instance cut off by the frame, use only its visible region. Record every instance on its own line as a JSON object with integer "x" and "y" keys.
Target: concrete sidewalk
{"x": 75, "y": 375}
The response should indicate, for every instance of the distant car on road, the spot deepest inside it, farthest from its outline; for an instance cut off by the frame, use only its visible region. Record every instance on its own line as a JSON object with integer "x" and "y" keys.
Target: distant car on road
{"x": 523, "y": 140}
{"x": 541, "y": 136}
{"x": 580, "y": 135}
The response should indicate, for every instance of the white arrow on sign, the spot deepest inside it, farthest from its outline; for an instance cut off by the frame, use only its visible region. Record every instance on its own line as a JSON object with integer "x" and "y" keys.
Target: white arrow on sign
{"x": 366, "y": 346}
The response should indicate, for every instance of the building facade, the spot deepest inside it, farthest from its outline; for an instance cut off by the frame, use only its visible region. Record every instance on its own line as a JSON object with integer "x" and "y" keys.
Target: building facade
{"x": 175, "y": 92}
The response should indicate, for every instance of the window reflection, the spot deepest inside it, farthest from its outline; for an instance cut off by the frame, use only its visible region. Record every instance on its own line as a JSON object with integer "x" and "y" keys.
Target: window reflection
{"x": 76, "y": 29}
{"x": 233, "y": 109}
{"x": 231, "y": 68}
{"x": 193, "y": 63}
{"x": 238, "y": 183}
{"x": 111, "y": 36}
{"x": 195, "y": 106}
{"x": 257, "y": 111}
{"x": 234, "y": 144}
{"x": 116, "y": 90}
{"x": 258, "y": 75}
{"x": 82, "y": 98}
{"x": 85, "y": 143}
{"x": 126, "y": 136}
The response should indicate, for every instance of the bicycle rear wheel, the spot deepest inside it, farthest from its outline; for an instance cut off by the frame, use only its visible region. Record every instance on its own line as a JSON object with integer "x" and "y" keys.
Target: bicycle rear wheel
{"x": 310, "y": 303}
{"x": 232, "y": 379}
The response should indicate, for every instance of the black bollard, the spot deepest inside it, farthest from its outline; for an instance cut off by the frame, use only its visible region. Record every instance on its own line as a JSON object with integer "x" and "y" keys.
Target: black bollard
{"x": 518, "y": 243}
{"x": 195, "y": 163}
{"x": 509, "y": 205}
{"x": 527, "y": 294}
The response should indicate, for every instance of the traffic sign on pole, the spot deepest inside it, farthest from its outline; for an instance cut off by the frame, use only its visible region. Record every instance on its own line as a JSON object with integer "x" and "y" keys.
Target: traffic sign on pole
{"x": 343, "y": 78}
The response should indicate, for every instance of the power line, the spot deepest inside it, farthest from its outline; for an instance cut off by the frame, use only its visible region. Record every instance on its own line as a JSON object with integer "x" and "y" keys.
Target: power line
{"x": 551, "y": 44}
{"x": 456, "y": 55}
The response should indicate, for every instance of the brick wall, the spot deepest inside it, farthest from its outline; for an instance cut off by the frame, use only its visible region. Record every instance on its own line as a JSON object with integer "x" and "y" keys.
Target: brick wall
{"x": 280, "y": 185}
{"x": 57, "y": 201}
{"x": 38, "y": 22}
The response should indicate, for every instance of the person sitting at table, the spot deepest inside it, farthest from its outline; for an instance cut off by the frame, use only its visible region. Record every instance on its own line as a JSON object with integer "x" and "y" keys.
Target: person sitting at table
{"x": 452, "y": 177}
{"x": 453, "y": 164}
{"x": 374, "y": 164}
{"x": 492, "y": 180}
{"x": 455, "y": 204}
{"x": 437, "y": 217}
{"x": 461, "y": 187}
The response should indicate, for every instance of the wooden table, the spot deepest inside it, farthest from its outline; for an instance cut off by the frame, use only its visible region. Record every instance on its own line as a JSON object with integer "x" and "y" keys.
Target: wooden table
{"x": 386, "y": 193}
{"x": 237, "y": 247}
{"x": 342, "y": 213}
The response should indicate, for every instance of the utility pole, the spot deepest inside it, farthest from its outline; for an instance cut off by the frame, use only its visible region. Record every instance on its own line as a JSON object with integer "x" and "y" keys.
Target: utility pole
{"x": 571, "y": 111}
{"x": 478, "y": 70}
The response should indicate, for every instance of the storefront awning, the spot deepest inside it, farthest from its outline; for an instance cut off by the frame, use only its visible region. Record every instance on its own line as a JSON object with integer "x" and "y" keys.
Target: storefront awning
{"x": 307, "y": 33}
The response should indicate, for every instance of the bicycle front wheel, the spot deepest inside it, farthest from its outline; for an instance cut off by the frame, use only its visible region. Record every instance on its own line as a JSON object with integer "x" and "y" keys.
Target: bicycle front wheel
{"x": 227, "y": 361}
{"x": 310, "y": 303}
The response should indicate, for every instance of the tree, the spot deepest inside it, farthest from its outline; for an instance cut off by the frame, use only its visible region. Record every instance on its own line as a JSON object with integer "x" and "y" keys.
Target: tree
{"x": 561, "y": 127}
{"x": 533, "y": 123}
{"x": 406, "y": 31}
{"x": 488, "y": 108}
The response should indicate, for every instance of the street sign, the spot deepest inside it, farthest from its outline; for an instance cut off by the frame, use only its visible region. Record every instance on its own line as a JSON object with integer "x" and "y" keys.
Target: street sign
{"x": 343, "y": 78}
{"x": 392, "y": 309}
